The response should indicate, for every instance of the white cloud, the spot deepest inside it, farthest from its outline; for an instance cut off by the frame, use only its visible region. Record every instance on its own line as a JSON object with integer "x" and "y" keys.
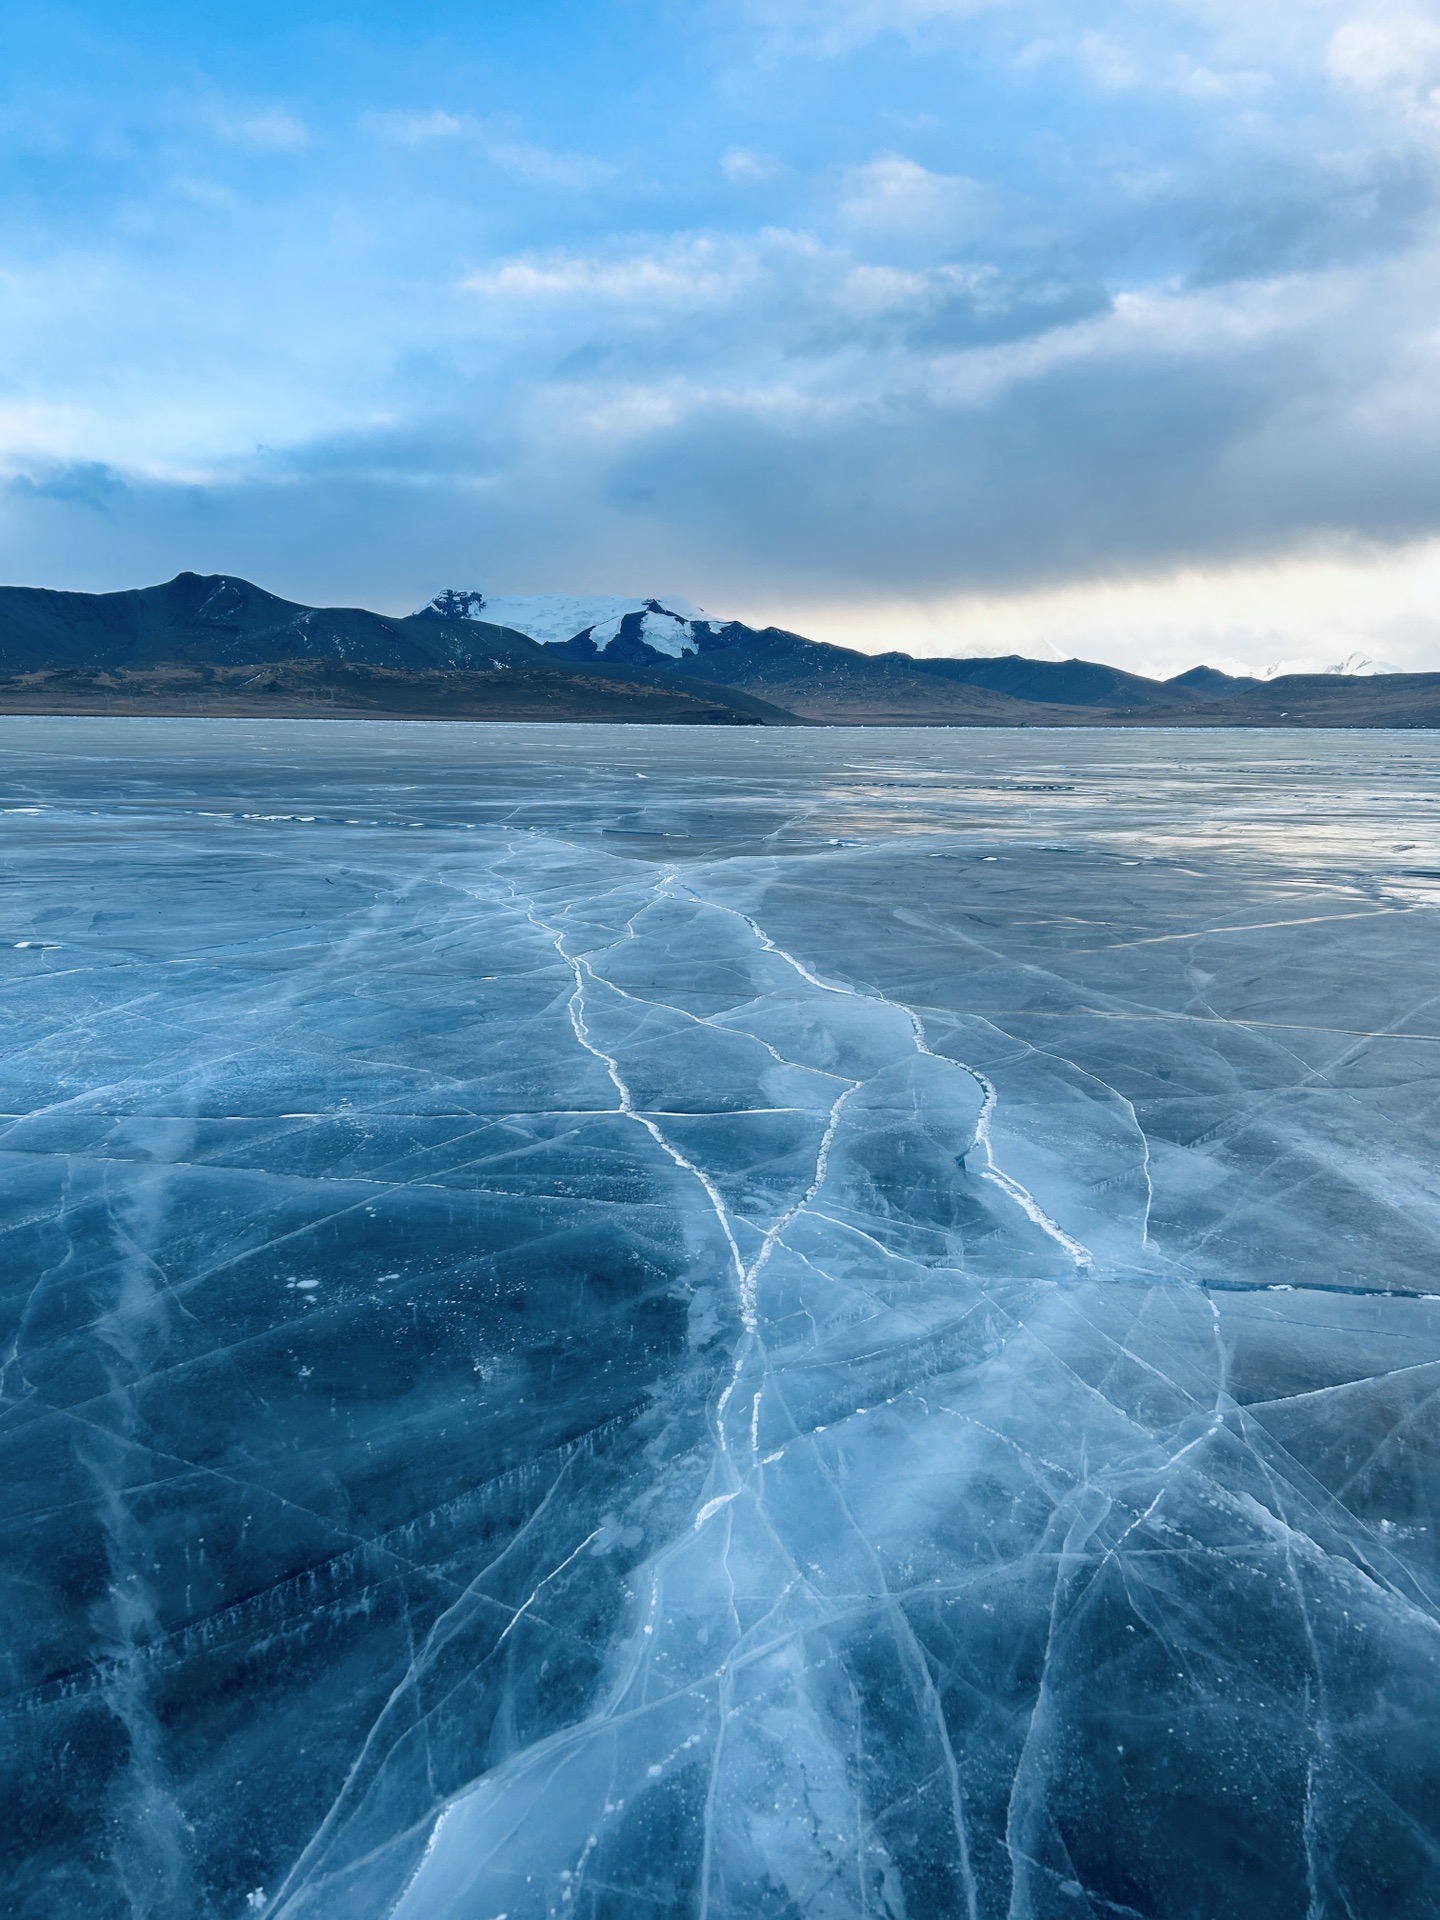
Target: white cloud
{"x": 35, "y": 430}
{"x": 1202, "y": 83}
{"x": 571, "y": 172}
{"x": 533, "y": 278}
{"x": 521, "y": 159}
{"x": 423, "y": 129}
{"x": 743, "y": 168}
{"x": 1107, "y": 62}
{"x": 1213, "y": 49}
{"x": 874, "y": 290}
{"x": 691, "y": 271}
{"x": 1397, "y": 59}
{"x": 267, "y": 130}
{"x": 835, "y": 26}
{"x": 893, "y": 194}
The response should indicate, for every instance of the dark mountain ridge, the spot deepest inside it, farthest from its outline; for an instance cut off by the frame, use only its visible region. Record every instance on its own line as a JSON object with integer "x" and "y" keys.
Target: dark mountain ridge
{"x": 110, "y": 652}
{"x": 823, "y": 683}
{"x": 224, "y": 621}
{"x": 1065, "y": 683}
{"x": 216, "y": 643}
{"x": 1210, "y": 681}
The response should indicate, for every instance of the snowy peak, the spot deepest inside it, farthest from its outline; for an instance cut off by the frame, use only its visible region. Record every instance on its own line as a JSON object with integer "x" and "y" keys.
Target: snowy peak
{"x": 1361, "y": 666}
{"x": 651, "y": 625}
{"x": 1355, "y": 666}
{"x": 674, "y": 635}
{"x": 455, "y": 604}
{"x": 665, "y": 627}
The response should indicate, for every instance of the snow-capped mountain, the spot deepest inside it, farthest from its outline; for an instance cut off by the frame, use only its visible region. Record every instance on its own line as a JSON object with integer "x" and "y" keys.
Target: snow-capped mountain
{"x": 609, "y": 659}
{"x": 660, "y": 628}
{"x": 1355, "y": 666}
{"x": 665, "y": 627}
{"x": 816, "y": 680}
{"x": 1361, "y": 666}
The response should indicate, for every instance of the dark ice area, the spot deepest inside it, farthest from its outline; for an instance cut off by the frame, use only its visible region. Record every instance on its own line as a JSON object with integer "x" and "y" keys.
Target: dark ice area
{"x": 749, "y": 1325}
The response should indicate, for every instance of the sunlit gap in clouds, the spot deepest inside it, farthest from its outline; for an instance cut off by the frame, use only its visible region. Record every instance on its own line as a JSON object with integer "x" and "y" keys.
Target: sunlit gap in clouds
{"x": 1308, "y": 612}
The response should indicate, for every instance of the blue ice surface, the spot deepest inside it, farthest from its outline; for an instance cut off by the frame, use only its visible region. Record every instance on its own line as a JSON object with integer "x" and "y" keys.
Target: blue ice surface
{"x": 634, "y": 1322}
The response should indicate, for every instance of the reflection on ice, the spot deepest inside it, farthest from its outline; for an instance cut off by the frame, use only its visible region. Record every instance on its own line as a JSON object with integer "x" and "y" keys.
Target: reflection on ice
{"x": 617, "y": 1356}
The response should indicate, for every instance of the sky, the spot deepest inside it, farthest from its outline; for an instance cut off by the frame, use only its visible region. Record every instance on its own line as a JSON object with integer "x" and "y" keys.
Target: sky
{"x": 972, "y": 326}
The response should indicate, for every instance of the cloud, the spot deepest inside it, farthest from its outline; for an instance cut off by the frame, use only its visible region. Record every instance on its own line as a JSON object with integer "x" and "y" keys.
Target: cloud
{"x": 924, "y": 431}
{"x": 784, "y": 297}
{"x": 894, "y": 194}
{"x": 1397, "y": 59}
{"x": 422, "y": 129}
{"x": 872, "y": 291}
{"x": 522, "y": 159}
{"x": 1175, "y": 424}
{"x": 830, "y": 27}
{"x": 1215, "y": 49}
{"x": 1222, "y": 423}
{"x": 691, "y": 271}
{"x": 264, "y": 130}
{"x": 571, "y": 172}
{"x": 743, "y": 168}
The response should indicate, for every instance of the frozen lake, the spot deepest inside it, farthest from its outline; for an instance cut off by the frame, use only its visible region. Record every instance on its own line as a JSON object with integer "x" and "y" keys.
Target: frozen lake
{"x": 752, "y": 1325}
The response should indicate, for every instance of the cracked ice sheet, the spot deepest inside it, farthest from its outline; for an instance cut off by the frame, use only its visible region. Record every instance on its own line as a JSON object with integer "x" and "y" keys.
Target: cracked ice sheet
{"x": 616, "y": 1321}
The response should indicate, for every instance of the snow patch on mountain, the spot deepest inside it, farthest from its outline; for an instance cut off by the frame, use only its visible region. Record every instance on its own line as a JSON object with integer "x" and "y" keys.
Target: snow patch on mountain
{"x": 1355, "y": 666}
{"x": 553, "y": 618}
{"x": 659, "y": 627}
{"x": 1361, "y": 665}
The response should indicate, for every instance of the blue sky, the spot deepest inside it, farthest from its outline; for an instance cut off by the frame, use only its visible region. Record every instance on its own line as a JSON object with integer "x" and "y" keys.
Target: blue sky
{"x": 937, "y": 323}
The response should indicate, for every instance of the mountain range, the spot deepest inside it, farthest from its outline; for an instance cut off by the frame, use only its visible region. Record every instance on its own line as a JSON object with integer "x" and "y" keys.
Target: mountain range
{"x": 211, "y": 643}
